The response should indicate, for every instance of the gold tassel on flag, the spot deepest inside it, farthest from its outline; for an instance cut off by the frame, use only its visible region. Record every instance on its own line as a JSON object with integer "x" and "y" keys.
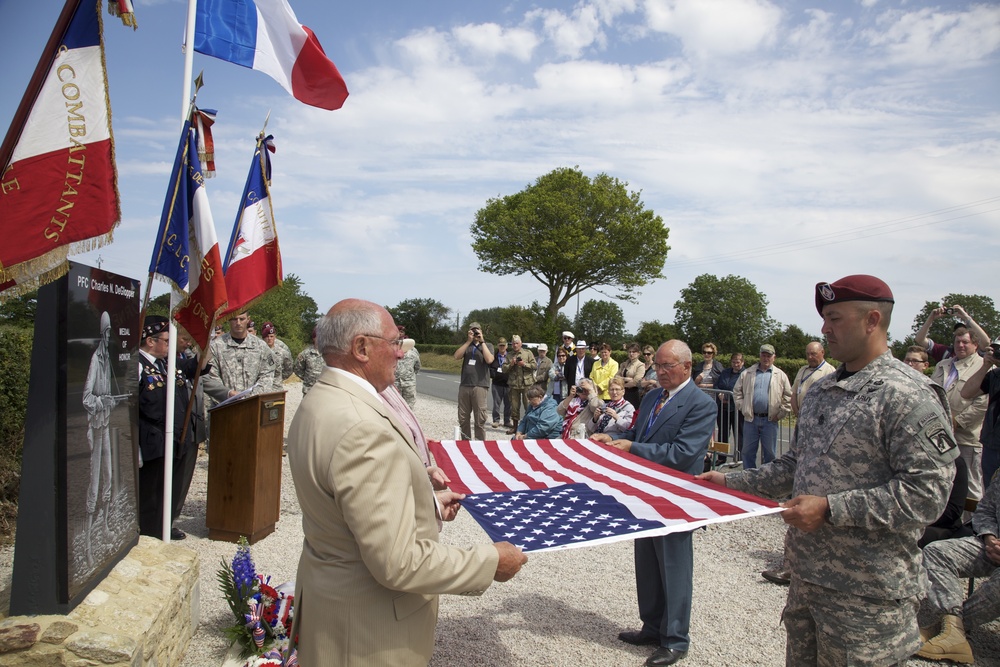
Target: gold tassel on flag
{"x": 123, "y": 10}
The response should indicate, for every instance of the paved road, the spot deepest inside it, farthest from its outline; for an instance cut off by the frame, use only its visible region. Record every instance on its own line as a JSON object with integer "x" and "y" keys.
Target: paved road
{"x": 438, "y": 384}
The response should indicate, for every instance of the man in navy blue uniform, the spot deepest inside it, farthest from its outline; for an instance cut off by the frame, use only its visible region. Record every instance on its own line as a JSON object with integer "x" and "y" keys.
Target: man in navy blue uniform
{"x": 673, "y": 429}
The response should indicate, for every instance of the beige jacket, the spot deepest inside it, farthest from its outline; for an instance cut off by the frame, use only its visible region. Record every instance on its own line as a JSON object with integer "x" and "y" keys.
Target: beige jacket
{"x": 779, "y": 394}
{"x": 966, "y": 416}
{"x": 371, "y": 566}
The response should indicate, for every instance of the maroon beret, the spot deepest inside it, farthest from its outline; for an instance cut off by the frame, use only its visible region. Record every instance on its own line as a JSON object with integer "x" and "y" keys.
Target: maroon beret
{"x": 852, "y": 288}
{"x": 267, "y": 329}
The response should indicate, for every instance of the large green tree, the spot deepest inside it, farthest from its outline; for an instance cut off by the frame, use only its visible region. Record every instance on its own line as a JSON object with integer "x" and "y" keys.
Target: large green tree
{"x": 426, "y": 320}
{"x": 601, "y": 321}
{"x": 572, "y": 233}
{"x": 791, "y": 342}
{"x": 730, "y": 311}
{"x": 292, "y": 312}
{"x": 655, "y": 333}
{"x": 980, "y": 307}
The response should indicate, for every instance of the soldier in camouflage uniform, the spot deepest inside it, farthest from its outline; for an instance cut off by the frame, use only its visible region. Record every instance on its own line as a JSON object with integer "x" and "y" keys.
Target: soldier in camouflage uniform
{"x": 871, "y": 464}
{"x": 282, "y": 356}
{"x": 520, "y": 370}
{"x": 309, "y": 365}
{"x": 949, "y": 560}
{"x": 239, "y": 361}
{"x": 406, "y": 372}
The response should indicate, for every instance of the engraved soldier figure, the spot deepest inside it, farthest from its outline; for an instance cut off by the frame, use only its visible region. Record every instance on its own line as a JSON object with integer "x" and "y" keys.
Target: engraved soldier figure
{"x": 99, "y": 401}
{"x": 871, "y": 464}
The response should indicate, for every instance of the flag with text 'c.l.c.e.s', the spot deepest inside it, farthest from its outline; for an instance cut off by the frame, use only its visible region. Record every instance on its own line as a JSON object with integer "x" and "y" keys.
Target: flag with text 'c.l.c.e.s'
{"x": 58, "y": 186}
{"x": 557, "y": 494}
{"x": 186, "y": 253}
{"x": 265, "y": 35}
{"x": 253, "y": 260}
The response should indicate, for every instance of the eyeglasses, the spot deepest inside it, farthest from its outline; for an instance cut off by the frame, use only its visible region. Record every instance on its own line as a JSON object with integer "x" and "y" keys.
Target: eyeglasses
{"x": 647, "y": 354}
{"x": 665, "y": 367}
{"x": 708, "y": 352}
{"x": 396, "y": 342}
{"x": 914, "y": 361}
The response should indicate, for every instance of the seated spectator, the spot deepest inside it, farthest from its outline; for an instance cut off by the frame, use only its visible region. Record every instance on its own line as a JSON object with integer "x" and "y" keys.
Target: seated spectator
{"x": 578, "y": 408}
{"x": 916, "y": 358}
{"x": 604, "y": 369}
{"x": 617, "y": 415}
{"x": 710, "y": 369}
{"x": 542, "y": 419}
{"x": 949, "y": 525}
{"x": 949, "y": 561}
{"x": 632, "y": 372}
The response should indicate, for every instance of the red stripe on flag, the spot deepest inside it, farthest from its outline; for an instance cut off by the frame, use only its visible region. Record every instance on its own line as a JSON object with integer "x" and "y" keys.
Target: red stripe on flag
{"x": 315, "y": 79}
{"x": 56, "y": 198}
{"x": 665, "y": 508}
{"x": 648, "y": 472}
{"x": 473, "y": 461}
{"x": 503, "y": 462}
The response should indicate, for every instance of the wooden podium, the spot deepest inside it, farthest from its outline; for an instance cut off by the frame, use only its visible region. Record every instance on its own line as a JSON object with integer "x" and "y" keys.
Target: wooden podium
{"x": 244, "y": 468}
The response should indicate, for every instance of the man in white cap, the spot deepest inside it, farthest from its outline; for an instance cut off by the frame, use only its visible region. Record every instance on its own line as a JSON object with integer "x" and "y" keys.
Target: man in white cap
{"x": 568, "y": 344}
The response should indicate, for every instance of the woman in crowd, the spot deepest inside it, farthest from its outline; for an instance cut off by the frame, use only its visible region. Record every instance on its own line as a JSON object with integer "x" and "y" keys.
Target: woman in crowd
{"x": 616, "y": 417}
{"x": 542, "y": 419}
{"x": 649, "y": 380}
{"x": 556, "y": 375}
{"x": 710, "y": 369}
{"x": 729, "y": 414}
{"x": 578, "y": 408}
{"x": 631, "y": 373}
{"x": 604, "y": 369}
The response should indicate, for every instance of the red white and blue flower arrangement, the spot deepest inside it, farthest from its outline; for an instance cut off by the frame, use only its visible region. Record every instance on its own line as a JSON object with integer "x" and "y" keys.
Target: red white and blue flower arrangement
{"x": 263, "y": 614}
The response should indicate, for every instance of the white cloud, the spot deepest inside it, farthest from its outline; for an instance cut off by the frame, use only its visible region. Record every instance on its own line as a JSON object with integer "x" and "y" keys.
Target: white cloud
{"x": 931, "y": 37}
{"x": 573, "y": 33}
{"x": 494, "y": 40}
{"x": 710, "y": 28}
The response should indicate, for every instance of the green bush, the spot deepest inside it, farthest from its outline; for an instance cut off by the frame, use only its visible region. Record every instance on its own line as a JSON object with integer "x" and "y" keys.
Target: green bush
{"x": 15, "y": 370}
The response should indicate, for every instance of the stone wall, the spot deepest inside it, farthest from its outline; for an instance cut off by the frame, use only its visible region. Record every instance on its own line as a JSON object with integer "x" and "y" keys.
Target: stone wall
{"x": 143, "y": 613}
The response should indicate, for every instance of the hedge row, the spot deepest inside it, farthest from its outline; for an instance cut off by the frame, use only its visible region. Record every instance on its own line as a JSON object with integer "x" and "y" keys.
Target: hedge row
{"x": 15, "y": 370}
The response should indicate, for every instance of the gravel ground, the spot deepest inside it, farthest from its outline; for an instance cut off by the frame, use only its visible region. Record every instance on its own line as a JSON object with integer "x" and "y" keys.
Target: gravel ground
{"x": 563, "y": 608}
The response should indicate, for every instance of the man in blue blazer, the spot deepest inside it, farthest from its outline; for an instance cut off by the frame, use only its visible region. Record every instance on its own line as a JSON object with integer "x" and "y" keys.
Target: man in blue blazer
{"x": 673, "y": 429}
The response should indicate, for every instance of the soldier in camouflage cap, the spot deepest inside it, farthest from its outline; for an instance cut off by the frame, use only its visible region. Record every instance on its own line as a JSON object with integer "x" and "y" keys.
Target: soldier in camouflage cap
{"x": 870, "y": 465}
{"x": 309, "y": 365}
{"x": 239, "y": 361}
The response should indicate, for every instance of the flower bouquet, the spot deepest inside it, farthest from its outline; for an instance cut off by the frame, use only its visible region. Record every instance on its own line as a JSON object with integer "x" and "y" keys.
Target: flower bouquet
{"x": 263, "y": 614}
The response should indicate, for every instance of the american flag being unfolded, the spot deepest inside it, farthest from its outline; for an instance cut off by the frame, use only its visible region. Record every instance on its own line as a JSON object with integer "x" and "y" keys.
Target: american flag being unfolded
{"x": 543, "y": 495}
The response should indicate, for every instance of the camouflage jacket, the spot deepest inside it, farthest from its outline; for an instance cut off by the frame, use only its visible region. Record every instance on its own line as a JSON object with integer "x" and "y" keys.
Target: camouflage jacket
{"x": 520, "y": 377}
{"x": 407, "y": 368}
{"x": 239, "y": 366}
{"x": 879, "y": 446}
{"x": 309, "y": 366}
{"x": 282, "y": 364}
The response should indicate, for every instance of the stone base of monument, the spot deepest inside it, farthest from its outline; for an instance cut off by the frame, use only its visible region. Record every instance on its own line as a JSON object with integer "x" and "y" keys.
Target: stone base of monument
{"x": 144, "y": 613}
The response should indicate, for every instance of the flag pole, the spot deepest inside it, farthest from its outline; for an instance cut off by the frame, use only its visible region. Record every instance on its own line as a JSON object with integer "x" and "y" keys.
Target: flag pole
{"x": 187, "y": 103}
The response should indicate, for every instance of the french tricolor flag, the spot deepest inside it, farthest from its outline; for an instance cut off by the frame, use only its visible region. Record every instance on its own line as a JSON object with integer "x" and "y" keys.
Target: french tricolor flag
{"x": 265, "y": 35}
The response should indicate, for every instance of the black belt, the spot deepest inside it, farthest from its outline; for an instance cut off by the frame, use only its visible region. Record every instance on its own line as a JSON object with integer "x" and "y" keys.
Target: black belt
{"x": 760, "y": 414}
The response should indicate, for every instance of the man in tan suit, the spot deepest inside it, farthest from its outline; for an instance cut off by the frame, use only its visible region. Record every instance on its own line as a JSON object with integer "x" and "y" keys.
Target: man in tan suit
{"x": 371, "y": 566}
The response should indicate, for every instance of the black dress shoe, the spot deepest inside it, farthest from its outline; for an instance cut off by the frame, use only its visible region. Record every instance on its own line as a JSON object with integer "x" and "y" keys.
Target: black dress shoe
{"x": 177, "y": 534}
{"x": 636, "y": 638}
{"x": 665, "y": 656}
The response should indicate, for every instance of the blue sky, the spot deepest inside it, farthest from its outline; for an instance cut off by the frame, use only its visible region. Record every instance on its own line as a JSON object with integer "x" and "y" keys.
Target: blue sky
{"x": 787, "y": 142}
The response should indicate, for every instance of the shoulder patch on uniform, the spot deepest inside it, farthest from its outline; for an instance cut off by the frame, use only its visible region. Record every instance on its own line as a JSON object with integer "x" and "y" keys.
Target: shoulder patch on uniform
{"x": 934, "y": 435}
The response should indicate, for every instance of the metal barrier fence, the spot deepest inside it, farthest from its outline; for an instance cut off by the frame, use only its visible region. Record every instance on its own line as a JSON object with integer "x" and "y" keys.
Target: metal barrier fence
{"x": 727, "y": 438}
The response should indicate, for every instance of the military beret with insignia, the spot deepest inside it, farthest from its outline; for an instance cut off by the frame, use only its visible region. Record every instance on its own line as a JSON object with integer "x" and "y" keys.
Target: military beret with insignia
{"x": 852, "y": 288}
